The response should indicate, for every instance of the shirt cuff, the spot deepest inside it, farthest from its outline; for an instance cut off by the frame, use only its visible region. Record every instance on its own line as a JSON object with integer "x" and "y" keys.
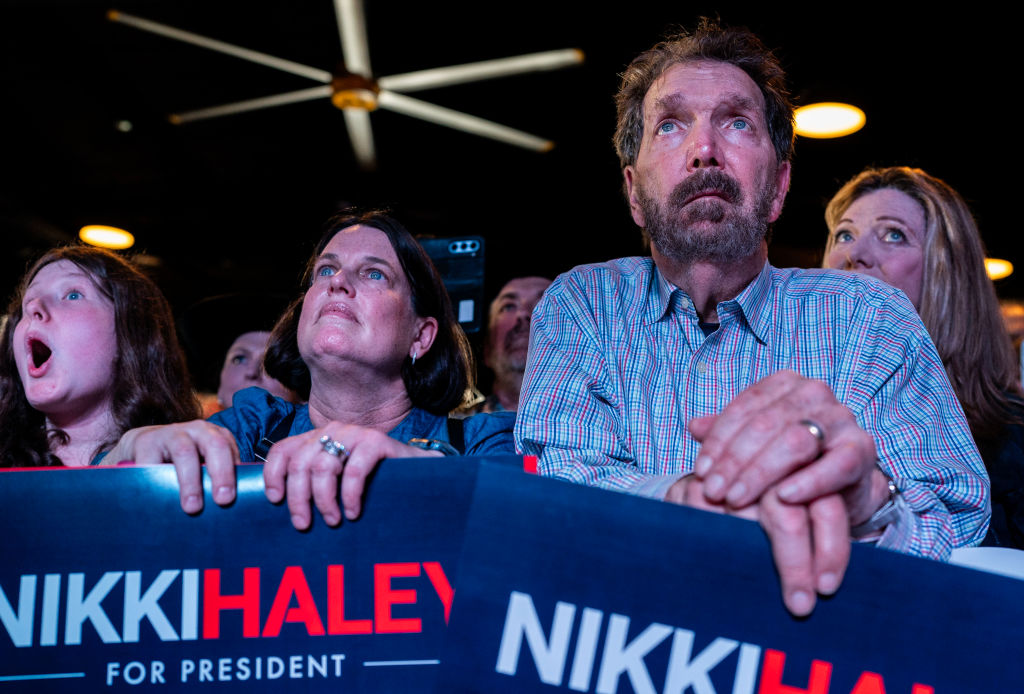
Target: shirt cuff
{"x": 898, "y": 534}
{"x": 655, "y": 487}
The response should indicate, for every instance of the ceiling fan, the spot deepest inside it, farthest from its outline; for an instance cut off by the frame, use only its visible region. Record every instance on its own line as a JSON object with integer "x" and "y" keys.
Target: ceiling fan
{"x": 356, "y": 92}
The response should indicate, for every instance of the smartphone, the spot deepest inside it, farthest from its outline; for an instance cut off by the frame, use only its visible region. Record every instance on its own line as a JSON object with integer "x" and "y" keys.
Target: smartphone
{"x": 460, "y": 260}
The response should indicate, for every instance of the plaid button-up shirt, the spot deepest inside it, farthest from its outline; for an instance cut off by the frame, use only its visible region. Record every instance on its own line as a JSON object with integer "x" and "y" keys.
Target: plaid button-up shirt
{"x": 618, "y": 365}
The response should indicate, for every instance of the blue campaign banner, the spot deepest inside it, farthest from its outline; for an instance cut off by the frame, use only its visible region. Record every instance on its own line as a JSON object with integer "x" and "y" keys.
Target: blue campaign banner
{"x": 108, "y": 586}
{"x": 564, "y": 588}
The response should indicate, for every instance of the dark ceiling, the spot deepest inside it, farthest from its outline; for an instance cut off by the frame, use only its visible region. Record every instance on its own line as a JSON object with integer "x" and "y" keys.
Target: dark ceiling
{"x": 233, "y": 203}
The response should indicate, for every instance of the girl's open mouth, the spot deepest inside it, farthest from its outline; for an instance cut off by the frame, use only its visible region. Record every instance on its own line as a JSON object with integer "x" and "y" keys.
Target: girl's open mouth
{"x": 40, "y": 352}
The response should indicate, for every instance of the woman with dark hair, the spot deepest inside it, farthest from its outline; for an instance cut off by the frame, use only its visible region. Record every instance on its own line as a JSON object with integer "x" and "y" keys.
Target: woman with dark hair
{"x": 373, "y": 345}
{"x": 914, "y": 232}
{"x": 435, "y": 379}
{"x": 88, "y": 352}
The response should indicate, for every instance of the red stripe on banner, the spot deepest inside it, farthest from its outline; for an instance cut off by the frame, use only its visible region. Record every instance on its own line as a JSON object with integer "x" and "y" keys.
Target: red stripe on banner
{"x": 530, "y": 464}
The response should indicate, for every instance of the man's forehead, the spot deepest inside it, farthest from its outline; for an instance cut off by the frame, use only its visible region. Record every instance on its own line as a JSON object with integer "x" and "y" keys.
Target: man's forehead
{"x": 524, "y": 286}
{"x": 694, "y": 82}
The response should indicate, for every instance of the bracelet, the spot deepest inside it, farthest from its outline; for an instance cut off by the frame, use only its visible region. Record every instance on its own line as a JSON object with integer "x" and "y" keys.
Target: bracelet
{"x": 435, "y": 445}
{"x": 885, "y": 515}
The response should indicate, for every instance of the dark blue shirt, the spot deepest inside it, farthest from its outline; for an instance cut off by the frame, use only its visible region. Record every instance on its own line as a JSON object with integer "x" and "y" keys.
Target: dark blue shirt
{"x": 255, "y": 413}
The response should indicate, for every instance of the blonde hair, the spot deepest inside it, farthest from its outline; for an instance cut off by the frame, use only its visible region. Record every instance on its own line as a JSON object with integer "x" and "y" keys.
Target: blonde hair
{"x": 958, "y": 302}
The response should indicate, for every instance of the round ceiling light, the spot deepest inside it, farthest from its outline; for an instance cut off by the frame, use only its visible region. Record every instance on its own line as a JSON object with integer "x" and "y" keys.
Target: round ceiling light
{"x": 828, "y": 119}
{"x": 106, "y": 237}
{"x": 997, "y": 268}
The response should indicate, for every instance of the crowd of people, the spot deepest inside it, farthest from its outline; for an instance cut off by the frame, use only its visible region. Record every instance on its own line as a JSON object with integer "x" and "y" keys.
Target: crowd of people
{"x": 876, "y": 400}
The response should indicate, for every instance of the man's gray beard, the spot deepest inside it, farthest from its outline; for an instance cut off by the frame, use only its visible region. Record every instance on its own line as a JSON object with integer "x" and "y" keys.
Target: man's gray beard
{"x": 735, "y": 236}
{"x": 514, "y": 362}
{"x": 514, "y": 351}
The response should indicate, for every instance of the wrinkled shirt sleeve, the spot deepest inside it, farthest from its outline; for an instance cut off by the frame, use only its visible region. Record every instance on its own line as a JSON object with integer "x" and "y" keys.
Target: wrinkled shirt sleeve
{"x": 570, "y": 415}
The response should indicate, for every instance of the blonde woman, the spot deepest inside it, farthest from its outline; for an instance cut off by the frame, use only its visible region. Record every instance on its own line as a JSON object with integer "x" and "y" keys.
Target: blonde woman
{"x": 914, "y": 232}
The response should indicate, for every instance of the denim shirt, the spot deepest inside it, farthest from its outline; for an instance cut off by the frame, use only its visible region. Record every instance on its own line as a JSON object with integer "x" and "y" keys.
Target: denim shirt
{"x": 255, "y": 413}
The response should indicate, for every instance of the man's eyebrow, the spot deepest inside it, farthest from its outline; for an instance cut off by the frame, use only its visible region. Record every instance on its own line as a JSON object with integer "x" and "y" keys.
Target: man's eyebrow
{"x": 742, "y": 103}
{"x": 507, "y": 295}
{"x": 668, "y": 102}
{"x": 676, "y": 101}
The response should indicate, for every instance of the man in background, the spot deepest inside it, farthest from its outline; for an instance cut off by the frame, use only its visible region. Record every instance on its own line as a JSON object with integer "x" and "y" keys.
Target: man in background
{"x": 508, "y": 337}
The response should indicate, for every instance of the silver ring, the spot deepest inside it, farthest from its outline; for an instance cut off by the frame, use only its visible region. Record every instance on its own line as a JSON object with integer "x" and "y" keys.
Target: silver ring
{"x": 815, "y": 430}
{"x": 335, "y": 448}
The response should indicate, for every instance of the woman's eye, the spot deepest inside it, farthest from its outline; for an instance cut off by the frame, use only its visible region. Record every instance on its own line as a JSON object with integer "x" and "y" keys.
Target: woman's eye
{"x": 740, "y": 124}
{"x": 239, "y": 359}
{"x": 73, "y": 295}
{"x": 895, "y": 235}
{"x": 375, "y": 274}
{"x": 324, "y": 271}
{"x": 667, "y": 127}
{"x": 843, "y": 236}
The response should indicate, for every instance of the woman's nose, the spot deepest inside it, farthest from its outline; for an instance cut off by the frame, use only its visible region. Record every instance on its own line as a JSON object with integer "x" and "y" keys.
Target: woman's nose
{"x": 36, "y": 308}
{"x": 340, "y": 281}
{"x": 859, "y": 254}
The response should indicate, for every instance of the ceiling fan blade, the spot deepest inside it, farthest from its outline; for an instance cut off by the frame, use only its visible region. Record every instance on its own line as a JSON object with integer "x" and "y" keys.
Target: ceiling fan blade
{"x": 487, "y": 69}
{"x": 358, "y": 122}
{"x": 461, "y": 121}
{"x": 252, "y": 104}
{"x": 220, "y": 46}
{"x": 352, "y": 29}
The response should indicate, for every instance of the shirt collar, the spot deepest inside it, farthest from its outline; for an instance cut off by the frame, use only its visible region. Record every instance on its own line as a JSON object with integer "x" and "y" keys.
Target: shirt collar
{"x": 754, "y": 302}
{"x": 420, "y": 424}
{"x": 660, "y": 296}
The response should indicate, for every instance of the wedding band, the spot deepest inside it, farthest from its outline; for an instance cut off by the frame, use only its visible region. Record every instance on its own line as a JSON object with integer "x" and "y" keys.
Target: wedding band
{"x": 816, "y": 431}
{"x": 335, "y": 448}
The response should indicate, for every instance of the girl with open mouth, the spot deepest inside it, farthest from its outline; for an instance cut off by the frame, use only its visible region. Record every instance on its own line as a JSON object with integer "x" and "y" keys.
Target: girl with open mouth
{"x": 88, "y": 351}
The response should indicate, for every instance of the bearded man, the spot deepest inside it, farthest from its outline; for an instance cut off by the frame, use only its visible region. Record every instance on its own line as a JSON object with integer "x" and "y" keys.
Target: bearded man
{"x": 507, "y": 343}
{"x": 808, "y": 400}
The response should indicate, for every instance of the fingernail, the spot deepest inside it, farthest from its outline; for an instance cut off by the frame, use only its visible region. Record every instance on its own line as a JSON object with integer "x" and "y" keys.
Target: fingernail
{"x": 800, "y": 603}
{"x": 299, "y": 522}
{"x": 702, "y": 465}
{"x": 787, "y": 492}
{"x": 222, "y": 495}
{"x": 828, "y": 583}
{"x": 351, "y": 514}
{"x": 736, "y": 493}
{"x": 193, "y": 503}
{"x": 714, "y": 484}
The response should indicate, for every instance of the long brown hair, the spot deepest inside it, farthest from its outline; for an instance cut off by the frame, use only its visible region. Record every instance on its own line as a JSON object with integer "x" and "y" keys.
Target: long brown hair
{"x": 958, "y": 302}
{"x": 151, "y": 383}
